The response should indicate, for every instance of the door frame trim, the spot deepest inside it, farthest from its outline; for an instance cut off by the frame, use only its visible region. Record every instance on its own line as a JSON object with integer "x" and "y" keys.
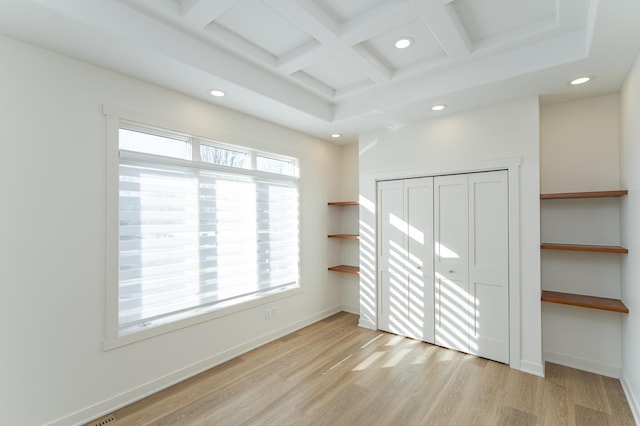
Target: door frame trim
{"x": 512, "y": 165}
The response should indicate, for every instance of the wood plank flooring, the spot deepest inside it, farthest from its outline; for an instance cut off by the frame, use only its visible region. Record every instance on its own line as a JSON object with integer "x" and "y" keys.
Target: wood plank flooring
{"x": 334, "y": 373}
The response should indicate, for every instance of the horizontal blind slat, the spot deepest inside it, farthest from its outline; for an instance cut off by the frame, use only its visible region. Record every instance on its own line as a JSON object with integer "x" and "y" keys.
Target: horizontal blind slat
{"x": 191, "y": 238}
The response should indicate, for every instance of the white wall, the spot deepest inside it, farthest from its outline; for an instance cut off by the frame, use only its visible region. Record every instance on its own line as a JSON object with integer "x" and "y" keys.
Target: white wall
{"x": 349, "y": 224}
{"x": 488, "y": 134}
{"x": 579, "y": 151}
{"x": 52, "y": 187}
{"x": 630, "y": 176}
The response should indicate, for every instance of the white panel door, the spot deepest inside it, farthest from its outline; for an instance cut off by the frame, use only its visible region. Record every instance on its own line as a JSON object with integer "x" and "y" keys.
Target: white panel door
{"x": 489, "y": 264}
{"x": 443, "y": 261}
{"x": 419, "y": 215}
{"x": 392, "y": 269}
{"x": 452, "y": 307}
{"x": 405, "y": 258}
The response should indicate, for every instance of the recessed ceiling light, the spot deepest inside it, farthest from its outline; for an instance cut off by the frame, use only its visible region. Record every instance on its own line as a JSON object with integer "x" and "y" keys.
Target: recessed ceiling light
{"x": 336, "y": 135}
{"x": 580, "y": 80}
{"x": 438, "y": 107}
{"x": 217, "y": 93}
{"x": 404, "y": 42}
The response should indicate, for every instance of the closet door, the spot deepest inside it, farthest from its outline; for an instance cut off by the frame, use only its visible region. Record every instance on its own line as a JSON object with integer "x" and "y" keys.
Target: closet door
{"x": 489, "y": 265}
{"x": 419, "y": 215}
{"x": 471, "y": 232}
{"x": 392, "y": 269}
{"x": 451, "y": 218}
{"x": 405, "y": 262}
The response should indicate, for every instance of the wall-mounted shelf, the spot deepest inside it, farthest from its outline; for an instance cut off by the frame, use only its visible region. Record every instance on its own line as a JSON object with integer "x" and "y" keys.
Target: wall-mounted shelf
{"x": 588, "y": 194}
{"x": 345, "y": 236}
{"x": 347, "y": 269}
{"x": 343, "y": 203}
{"x": 583, "y": 247}
{"x": 593, "y": 302}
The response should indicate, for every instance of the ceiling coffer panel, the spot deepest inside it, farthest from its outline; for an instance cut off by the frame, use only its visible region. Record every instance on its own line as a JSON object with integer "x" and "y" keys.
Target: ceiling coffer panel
{"x": 425, "y": 47}
{"x": 311, "y": 64}
{"x": 259, "y": 24}
{"x": 500, "y": 19}
{"x": 343, "y": 11}
{"x": 336, "y": 73}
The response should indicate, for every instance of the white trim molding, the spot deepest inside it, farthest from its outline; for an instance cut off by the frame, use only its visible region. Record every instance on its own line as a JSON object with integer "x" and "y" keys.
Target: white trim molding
{"x": 368, "y": 239}
{"x": 583, "y": 364}
{"x": 532, "y": 368}
{"x": 109, "y": 405}
{"x": 632, "y": 398}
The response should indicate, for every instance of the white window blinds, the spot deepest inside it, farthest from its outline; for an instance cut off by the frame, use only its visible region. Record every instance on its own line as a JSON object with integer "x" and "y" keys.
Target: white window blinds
{"x": 196, "y": 236}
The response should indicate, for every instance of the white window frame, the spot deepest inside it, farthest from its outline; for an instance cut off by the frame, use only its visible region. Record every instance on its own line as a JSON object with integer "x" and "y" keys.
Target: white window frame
{"x": 116, "y": 119}
{"x": 198, "y": 142}
{"x": 270, "y": 156}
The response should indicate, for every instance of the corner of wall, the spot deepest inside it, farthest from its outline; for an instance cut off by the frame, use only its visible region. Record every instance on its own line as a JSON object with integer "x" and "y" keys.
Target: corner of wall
{"x": 534, "y": 368}
{"x": 630, "y": 176}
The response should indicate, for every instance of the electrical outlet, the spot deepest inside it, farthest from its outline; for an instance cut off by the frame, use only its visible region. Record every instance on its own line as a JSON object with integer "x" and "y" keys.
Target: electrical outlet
{"x": 270, "y": 313}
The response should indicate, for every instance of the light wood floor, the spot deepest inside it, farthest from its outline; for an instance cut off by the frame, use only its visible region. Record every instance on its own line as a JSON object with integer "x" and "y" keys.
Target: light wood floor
{"x": 334, "y": 373}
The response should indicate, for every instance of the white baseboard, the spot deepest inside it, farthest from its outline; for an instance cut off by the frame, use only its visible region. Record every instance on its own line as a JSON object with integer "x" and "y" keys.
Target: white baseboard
{"x": 583, "y": 364}
{"x": 109, "y": 405}
{"x": 351, "y": 309}
{"x": 364, "y": 323}
{"x": 634, "y": 404}
{"x": 534, "y": 368}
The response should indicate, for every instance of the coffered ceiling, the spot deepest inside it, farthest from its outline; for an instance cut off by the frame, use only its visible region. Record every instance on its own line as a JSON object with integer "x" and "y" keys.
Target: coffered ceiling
{"x": 331, "y": 66}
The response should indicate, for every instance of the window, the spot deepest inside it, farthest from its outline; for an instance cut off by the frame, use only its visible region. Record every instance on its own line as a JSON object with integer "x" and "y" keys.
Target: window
{"x": 195, "y": 237}
{"x": 223, "y": 156}
{"x": 275, "y": 165}
{"x": 141, "y": 141}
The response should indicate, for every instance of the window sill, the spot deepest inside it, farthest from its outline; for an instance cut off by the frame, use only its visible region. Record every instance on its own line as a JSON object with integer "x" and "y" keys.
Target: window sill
{"x": 152, "y": 330}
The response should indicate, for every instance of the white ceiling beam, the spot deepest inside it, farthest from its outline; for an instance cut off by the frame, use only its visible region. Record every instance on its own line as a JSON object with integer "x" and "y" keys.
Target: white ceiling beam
{"x": 429, "y": 65}
{"x": 387, "y": 16}
{"x": 518, "y": 36}
{"x": 200, "y": 13}
{"x": 592, "y": 15}
{"x": 303, "y": 56}
{"x": 453, "y": 78}
{"x": 173, "y": 46}
{"x": 162, "y": 8}
{"x": 307, "y": 16}
{"x": 354, "y": 88}
{"x": 241, "y": 46}
{"x": 315, "y": 85}
{"x": 369, "y": 64}
{"x": 315, "y": 22}
{"x": 445, "y": 25}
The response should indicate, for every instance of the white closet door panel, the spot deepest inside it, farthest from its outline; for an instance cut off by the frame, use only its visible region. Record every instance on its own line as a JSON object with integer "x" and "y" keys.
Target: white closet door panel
{"x": 443, "y": 261}
{"x": 392, "y": 267}
{"x": 419, "y": 215}
{"x": 452, "y": 309}
{"x": 488, "y": 265}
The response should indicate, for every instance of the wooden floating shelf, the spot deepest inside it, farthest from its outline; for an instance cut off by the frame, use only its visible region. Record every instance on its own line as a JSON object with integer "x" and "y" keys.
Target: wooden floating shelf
{"x": 343, "y": 203}
{"x": 345, "y": 236}
{"x": 346, "y": 269}
{"x": 593, "y": 302}
{"x": 584, "y": 247}
{"x": 592, "y": 194}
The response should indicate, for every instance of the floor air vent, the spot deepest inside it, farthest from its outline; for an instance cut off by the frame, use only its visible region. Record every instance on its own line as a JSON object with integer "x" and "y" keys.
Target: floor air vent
{"x": 104, "y": 421}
